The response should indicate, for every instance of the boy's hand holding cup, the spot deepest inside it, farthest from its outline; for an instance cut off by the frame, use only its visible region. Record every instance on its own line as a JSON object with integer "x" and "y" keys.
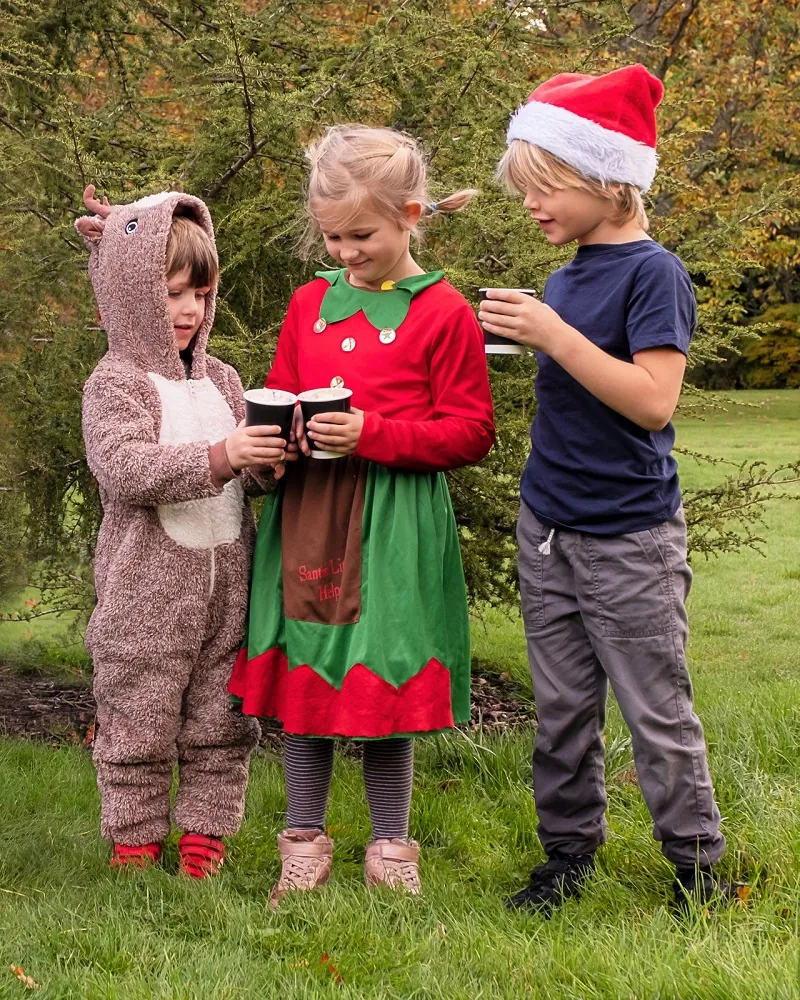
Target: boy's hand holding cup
{"x": 515, "y": 317}
{"x": 265, "y": 435}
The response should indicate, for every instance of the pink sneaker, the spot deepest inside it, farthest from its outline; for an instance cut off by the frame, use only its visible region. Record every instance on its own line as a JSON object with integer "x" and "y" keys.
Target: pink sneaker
{"x": 307, "y": 857}
{"x": 394, "y": 863}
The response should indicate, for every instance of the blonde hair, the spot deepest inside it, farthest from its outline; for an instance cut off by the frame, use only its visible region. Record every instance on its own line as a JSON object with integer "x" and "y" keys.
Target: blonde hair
{"x": 525, "y": 165}
{"x": 189, "y": 245}
{"x": 358, "y": 165}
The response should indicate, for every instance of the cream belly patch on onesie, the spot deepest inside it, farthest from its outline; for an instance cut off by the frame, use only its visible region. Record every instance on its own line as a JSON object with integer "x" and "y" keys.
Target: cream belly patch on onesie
{"x": 195, "y": 410}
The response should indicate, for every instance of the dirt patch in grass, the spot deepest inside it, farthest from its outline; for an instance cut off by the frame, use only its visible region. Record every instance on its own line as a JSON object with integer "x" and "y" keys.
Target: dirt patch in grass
{"x": 52, "y": 709}
{"x": 60, "y": 710}
{"x": 497, "y": 701}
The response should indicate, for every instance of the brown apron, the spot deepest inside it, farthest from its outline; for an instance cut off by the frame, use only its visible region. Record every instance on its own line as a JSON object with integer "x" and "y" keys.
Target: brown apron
{"x": 321, "y": 515}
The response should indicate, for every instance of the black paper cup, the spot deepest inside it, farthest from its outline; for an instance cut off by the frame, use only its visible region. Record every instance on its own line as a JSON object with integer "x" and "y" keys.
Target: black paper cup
{"x": 492, "y": 343}
{"x": 315, "y": 401}
{"x": 267, "y": 407}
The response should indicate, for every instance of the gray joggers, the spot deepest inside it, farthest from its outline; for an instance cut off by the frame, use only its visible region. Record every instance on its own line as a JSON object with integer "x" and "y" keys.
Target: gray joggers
{"x": 612, "y": 608}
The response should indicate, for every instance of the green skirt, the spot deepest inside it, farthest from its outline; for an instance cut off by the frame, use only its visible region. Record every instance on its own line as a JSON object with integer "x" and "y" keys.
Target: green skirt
{"x": 358, "y": 623}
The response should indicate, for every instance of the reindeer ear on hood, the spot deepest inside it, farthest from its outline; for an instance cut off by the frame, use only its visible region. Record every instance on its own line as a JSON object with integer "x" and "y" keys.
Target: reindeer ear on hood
{"x": 91, "y": 227}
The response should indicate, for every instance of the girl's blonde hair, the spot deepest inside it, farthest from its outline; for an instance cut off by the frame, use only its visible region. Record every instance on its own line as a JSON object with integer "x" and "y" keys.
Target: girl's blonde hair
{"x": 356, "y": 165}
{"x": 524, "y": 165}
{"x": 189, "y": 245}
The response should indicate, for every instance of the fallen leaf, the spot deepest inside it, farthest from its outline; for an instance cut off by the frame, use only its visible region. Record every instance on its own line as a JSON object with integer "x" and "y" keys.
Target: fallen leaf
{"x": 19, "y": 972}
{"x": 325, "y": 960}
{"x": 784, "y": 913}
{"x": 298, "y": 965}
{"x": 743, "y": 892}
{"x": 31, "y": 602}
{"x": 88, "y": 739}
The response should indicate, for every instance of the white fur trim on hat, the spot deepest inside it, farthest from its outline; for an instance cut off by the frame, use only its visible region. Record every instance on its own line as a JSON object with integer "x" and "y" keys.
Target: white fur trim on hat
{"x": 588, "y": 147}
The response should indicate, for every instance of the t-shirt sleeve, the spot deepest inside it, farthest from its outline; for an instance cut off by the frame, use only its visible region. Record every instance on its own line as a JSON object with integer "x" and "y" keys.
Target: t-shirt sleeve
{"x": 662, "y": 311}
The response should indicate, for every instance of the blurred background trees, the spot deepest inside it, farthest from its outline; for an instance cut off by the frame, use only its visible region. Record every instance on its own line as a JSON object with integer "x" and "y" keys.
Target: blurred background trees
{"x": 219, "y": 98}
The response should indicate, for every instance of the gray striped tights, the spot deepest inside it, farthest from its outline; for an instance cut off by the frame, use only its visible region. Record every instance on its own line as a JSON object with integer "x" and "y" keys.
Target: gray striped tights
{"x": 388, "y": 777}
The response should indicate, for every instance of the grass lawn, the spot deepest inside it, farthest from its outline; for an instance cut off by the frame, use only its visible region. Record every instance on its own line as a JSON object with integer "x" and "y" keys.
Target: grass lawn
{"x": 81, "y": 931}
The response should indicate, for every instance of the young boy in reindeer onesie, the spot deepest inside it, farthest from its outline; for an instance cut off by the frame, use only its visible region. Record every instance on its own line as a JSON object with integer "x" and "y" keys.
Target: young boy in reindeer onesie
{"x": 172, "y": 562}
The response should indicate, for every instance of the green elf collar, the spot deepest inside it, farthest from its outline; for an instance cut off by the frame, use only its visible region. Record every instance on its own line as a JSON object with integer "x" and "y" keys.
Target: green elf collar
{"x": 385, "y": 309}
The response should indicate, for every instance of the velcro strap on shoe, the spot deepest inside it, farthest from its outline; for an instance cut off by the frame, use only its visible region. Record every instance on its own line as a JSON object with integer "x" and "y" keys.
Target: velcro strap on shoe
{"x": 395, "y": 851}
{"x": 306, "y": 848}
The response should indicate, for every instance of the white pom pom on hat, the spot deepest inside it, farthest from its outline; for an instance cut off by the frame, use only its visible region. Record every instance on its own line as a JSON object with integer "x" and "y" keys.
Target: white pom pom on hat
{"x": 603, "y": 126}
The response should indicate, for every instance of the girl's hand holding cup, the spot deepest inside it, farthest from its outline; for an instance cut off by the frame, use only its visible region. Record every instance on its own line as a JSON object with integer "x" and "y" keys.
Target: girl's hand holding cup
{"x": 337, "y": 432}
{"x": 330, "y": 426}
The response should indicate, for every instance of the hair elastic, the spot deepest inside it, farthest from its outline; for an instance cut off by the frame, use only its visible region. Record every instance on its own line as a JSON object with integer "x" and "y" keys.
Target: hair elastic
{"x": 433, "y": 208}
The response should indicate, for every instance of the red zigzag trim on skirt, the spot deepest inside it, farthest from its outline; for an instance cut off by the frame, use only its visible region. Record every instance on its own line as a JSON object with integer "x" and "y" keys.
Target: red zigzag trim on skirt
{"x": 366, "y": 706}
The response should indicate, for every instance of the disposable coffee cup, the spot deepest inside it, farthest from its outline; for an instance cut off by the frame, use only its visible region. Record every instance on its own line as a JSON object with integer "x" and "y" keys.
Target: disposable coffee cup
{"x": 494, "y": 344}
{"x": 267, "y": 407}
{"x": 316, "y": 401}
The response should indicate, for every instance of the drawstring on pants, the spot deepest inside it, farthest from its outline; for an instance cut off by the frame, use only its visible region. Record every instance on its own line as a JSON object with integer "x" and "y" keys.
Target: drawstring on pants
{"x": 544, "y": 548}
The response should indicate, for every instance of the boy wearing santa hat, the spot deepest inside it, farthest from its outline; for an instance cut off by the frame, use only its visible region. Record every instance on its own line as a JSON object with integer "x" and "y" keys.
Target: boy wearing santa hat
{"x": 601, "y": 532}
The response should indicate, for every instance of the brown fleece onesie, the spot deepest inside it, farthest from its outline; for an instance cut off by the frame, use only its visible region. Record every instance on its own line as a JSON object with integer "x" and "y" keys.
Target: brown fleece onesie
{"x": 172, "y": 561}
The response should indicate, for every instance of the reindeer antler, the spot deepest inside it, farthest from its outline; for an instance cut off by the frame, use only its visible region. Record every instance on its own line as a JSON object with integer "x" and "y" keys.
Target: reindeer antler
{"x": 103, "y": 209}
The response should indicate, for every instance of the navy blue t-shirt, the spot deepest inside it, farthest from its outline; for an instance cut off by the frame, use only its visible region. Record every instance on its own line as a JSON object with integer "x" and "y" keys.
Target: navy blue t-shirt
{"x": 591, "y": 469}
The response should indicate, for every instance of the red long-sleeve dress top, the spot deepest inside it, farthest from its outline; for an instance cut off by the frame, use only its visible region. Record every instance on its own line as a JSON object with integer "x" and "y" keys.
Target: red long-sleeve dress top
{"x": 425, "y": 395}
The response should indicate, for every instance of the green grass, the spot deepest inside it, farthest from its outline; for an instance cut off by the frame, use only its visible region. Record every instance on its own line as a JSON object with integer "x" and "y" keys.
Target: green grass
{"x": 82, "y": 931}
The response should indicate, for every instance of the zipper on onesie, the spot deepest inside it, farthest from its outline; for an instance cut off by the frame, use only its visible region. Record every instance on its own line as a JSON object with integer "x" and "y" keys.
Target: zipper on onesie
{"x": 199, "y": 422}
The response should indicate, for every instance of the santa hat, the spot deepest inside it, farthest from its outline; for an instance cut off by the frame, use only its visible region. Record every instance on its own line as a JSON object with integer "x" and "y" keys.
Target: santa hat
{"x": 603, "y": 126}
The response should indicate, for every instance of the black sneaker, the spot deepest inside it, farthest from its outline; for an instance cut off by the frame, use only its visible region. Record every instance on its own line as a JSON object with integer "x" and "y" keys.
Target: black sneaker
{"x": 699, "y": 886}
{"x": 560, "y": 878}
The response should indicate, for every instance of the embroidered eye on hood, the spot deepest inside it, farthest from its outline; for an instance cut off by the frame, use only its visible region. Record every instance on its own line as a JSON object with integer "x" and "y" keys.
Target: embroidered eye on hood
{"x": 127, "y": 267}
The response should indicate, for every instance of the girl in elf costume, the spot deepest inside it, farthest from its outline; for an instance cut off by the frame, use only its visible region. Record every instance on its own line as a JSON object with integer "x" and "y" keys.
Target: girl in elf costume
{"x": 358, "y": 621}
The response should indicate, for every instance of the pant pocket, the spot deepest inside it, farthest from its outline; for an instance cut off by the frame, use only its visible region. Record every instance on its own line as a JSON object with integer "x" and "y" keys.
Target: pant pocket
{"x": 530, "y": 535}
{"x": 632, "y": 582}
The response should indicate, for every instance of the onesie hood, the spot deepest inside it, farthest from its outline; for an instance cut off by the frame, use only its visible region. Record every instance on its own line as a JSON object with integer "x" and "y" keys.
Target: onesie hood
{"x": 127, "y": 267}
